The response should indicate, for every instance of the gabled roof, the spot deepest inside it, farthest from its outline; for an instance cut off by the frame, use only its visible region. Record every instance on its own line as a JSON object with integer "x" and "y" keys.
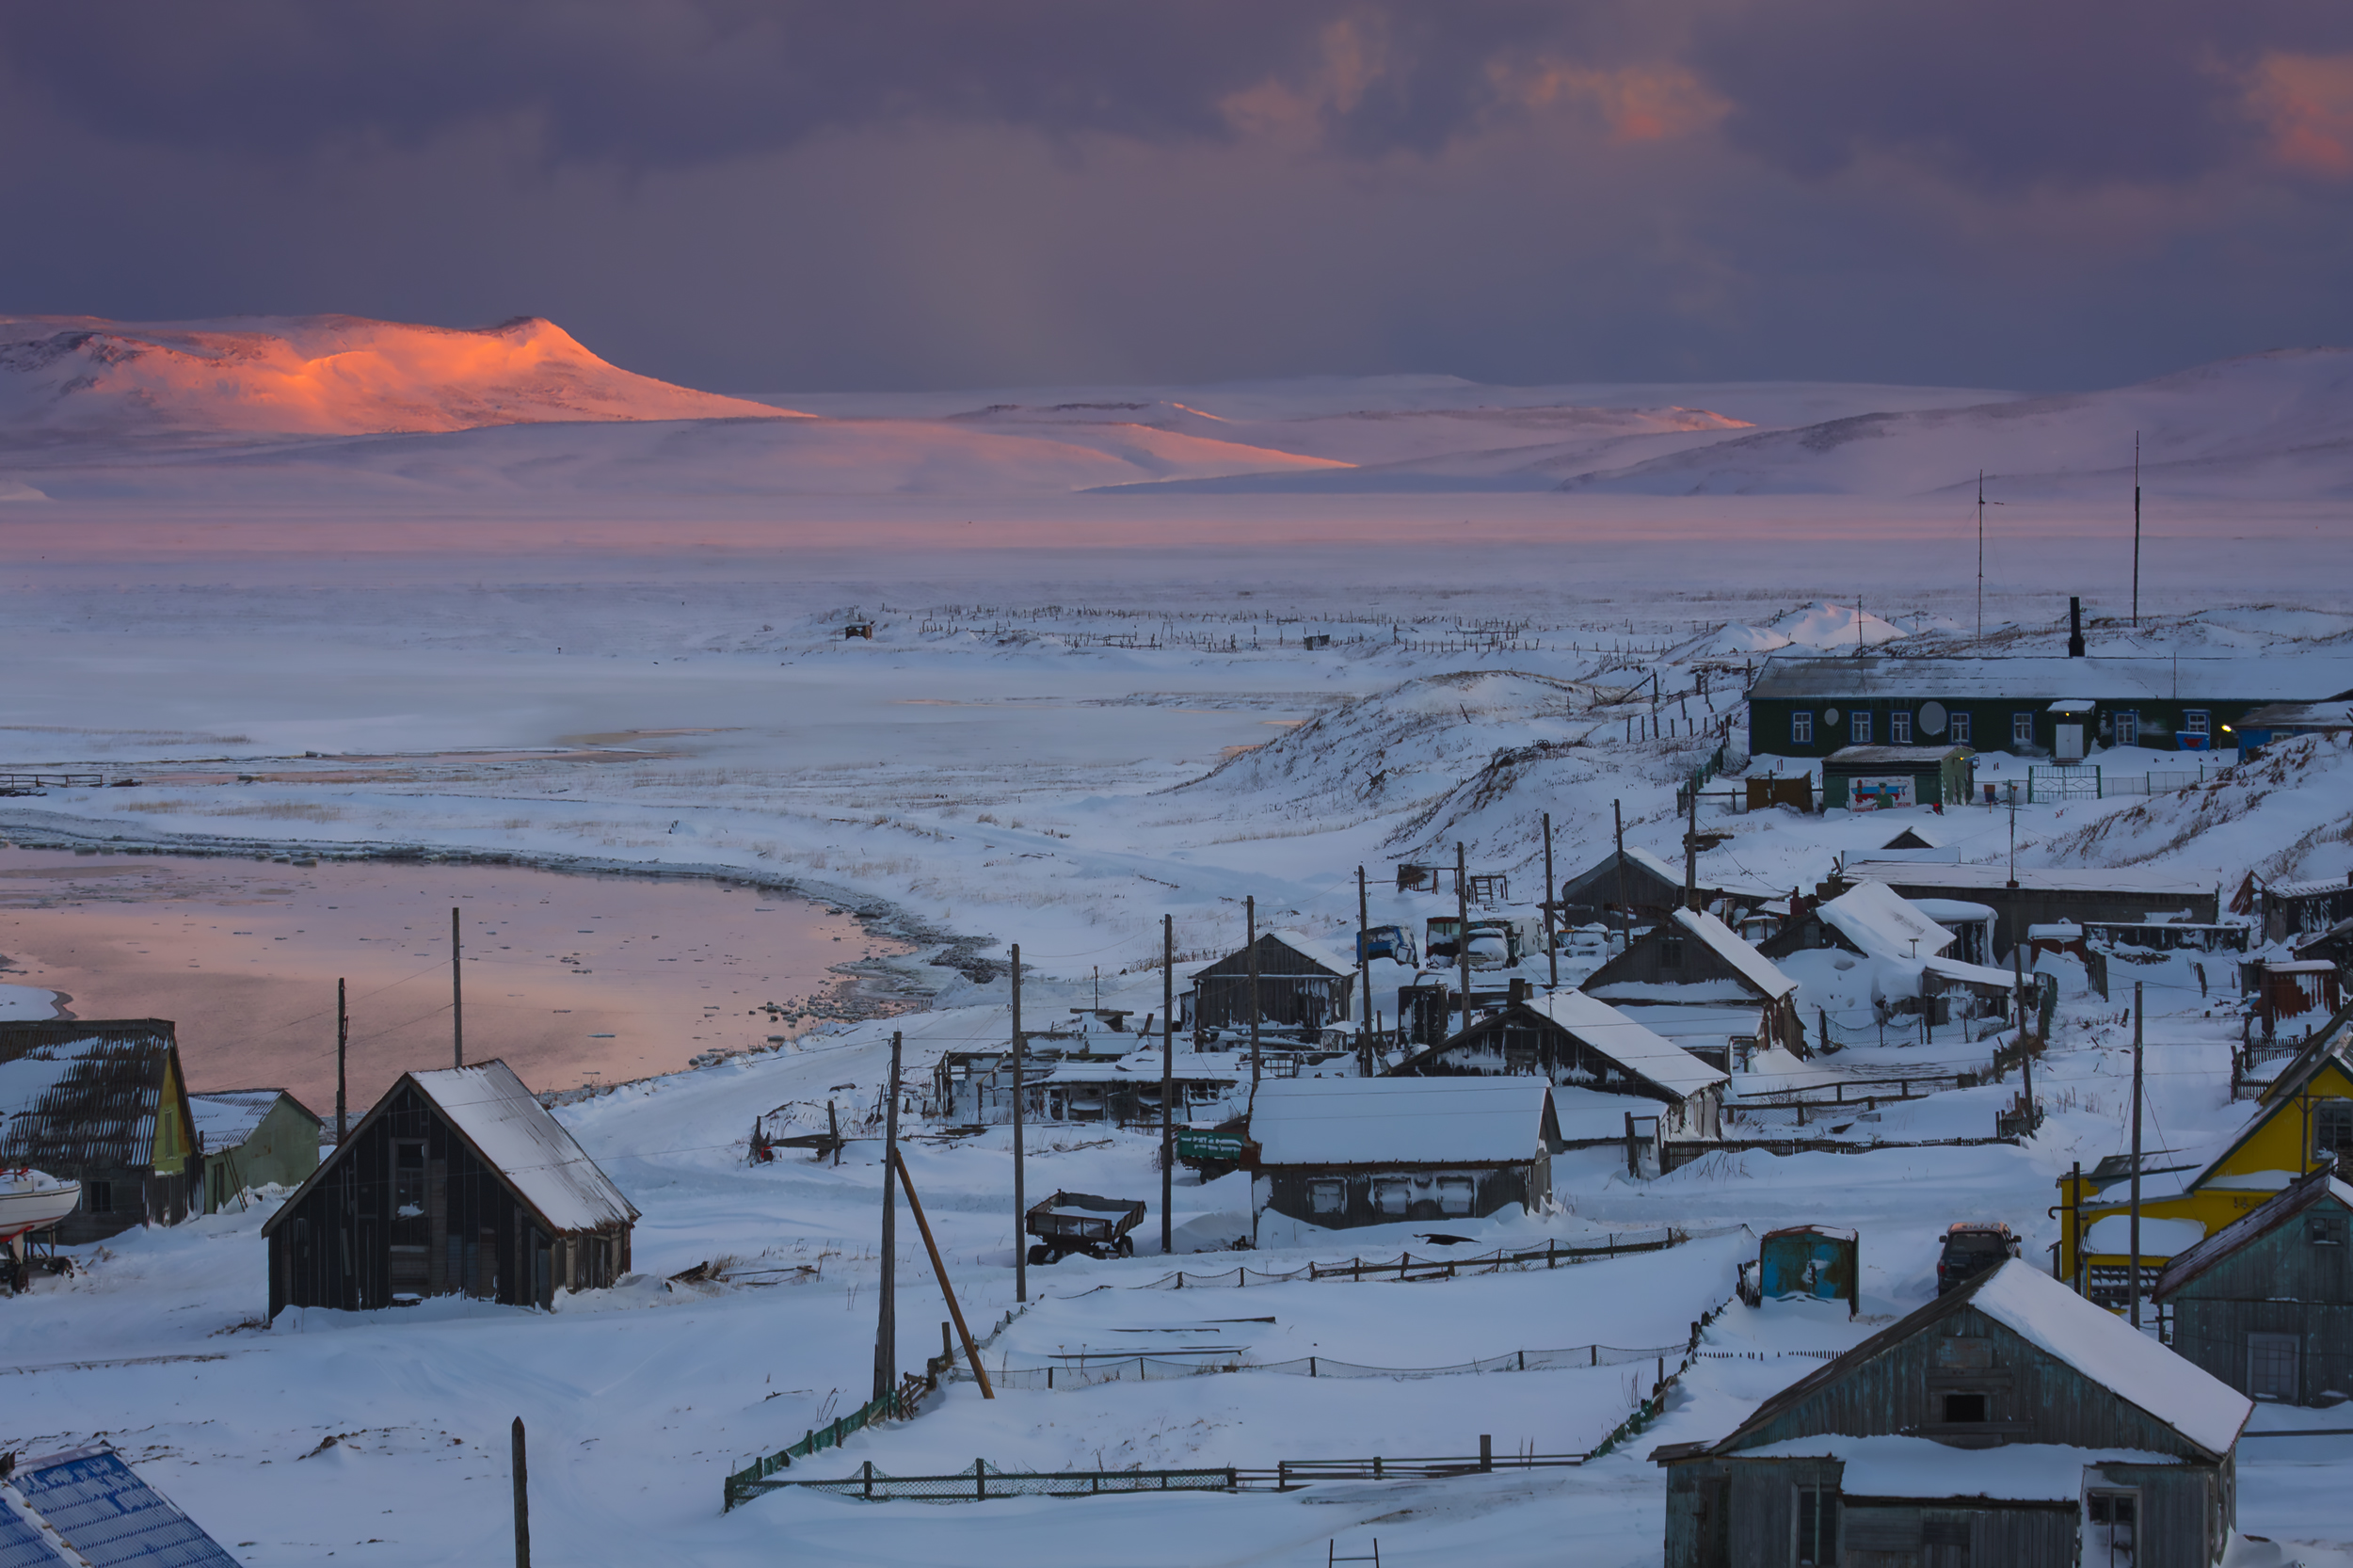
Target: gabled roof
{"x": 104, "y": 1513}
{"x": 82, "y": 1093}
{"x": 227, "y": 1117}
{"x": 2094, "y": 1341}
{"x": 1321, "y": 959}
{"x": 1641, "y": 1051}
{"x": 1884, "y": 924}
{"x": 1753, "y": 966}
{"x": 515, "y": 1138}
{"x": 2327, "y": 1044}
{"x": 1402, "y": 1121}
{"x": 2294, "y": 1199}
{"x": 1937, "y": 868}
{"x": 2029, "y": 677}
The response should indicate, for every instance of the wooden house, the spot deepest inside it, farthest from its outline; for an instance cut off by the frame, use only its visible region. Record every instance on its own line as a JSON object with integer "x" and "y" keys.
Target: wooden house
{"x": 2037, "y": 895}
{"x": 2290, "y": 910}
{"x": 85, "y": 1506}
{"x": 2007, "y": 1421}
{"x": 457, "y": 1182}
{"x": 1304, "y": 987}
{"x": 1367, "y": 1151}
{"x": 1695, "y": 960}
{"x": 2266, "y": 1304}
{"x": 1811, "y": 706}
{"x": 1604, "y": 1065}
{"x": 252, "y": 1138}
{"x": 1915, "y": 971}
{"x": 2302, "y": 1118}
{"x": 1633, "y": 886}
{"x": 104, "y": 1103}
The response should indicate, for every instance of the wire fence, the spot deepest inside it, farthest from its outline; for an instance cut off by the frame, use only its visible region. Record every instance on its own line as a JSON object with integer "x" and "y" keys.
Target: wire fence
{"x": 1407, "y": 1266}
{"x": 1090, "y": 1371}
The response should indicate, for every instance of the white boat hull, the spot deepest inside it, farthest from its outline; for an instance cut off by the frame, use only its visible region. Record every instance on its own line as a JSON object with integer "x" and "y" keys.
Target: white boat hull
{"x": 31, "y": 1201}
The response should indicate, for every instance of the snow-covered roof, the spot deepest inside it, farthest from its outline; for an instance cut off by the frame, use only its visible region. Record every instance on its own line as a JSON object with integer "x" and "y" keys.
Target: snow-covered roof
{"x": 1920, "y": 1467}
{"x": 1937, "y": 869}
{"x": 1892, "y": 757}
{"x": 1880, "y": 920}
{"x": 2113, "y": 1354}
{"x": 2111, "y": 1235}
{"x": 2320, "y": 888}
{"x": 1400, "y": 1121}
{"x": 2189, "y": 1263}
{"x": 2031, "y": 677}
{"x": 1597, "y": 1116}
{"x": 1972, "y": 974}
{"x": 228, "y": 1118}
{"x": 1658, "y": 866}
{"x": 516, "y": 1136}
{"x": 1753, "y": 966}
{"x": 1632, "y": 1046}
{"x": 1326, "y": 953}
{"x": 1951, "y": 909}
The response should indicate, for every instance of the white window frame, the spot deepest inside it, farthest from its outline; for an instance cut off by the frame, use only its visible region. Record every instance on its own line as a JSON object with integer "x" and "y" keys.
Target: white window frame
{"x": 2022, "y": 729}
{"x": 1801, "y": 730}
{"x": 2197, "y": 721}
{"x": 1899, "y": 727}
{"x": 2127, "y": 727}
{"x": 1859, "y": 727}
{"x": 1957, "y": 727}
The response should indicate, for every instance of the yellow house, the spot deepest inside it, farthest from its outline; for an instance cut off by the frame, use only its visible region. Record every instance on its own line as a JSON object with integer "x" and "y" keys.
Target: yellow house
{"x": 2303, "y": 1118}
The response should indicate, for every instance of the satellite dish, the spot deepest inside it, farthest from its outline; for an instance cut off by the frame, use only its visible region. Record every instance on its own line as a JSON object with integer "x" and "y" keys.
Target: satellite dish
{"x": 1931, "y": 719}
{"x": 1829, "y": 716}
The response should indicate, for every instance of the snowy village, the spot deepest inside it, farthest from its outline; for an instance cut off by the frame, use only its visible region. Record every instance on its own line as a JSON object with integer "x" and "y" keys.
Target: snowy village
{"x": 1557, "y": 785}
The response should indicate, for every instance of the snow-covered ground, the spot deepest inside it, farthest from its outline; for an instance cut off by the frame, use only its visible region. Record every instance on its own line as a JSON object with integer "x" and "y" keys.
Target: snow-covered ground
{"x": 1078, "y": 713}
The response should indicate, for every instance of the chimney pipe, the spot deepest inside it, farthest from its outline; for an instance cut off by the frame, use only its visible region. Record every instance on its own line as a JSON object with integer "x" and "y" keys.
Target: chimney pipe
{"x": 2075, "y": 628}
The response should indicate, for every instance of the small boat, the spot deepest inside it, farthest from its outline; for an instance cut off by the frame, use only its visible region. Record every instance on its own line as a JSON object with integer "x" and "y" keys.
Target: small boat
{"x": 33, "y": 1200}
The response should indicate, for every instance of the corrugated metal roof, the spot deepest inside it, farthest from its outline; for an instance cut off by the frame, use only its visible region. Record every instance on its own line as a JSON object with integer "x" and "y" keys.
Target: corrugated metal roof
{"x": 26, "y": 1541}
{"x": 228, "y": 1118}
{"x": 1937, "y": 869}
{"x": 1751, "y": 966}
{"x": 1630, "y": 1045}
{"x": 82, "y": 1095}
{"x": 513, "y": 1132}
{"x": 108, "y": 1515}
{"x": 2311, "y": 679}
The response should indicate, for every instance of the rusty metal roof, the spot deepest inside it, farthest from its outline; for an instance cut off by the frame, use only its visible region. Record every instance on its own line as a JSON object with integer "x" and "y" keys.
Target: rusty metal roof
{"x": 78, "y": 1095}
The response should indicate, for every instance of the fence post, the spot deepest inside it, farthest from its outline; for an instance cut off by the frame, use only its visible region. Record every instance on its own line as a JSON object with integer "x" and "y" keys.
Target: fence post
{"x": 1311, "y": 1365}
{"x": 980, "y": 1482}
{"x": 870, "y": 1480}
{"x": 1486, "y": 1451}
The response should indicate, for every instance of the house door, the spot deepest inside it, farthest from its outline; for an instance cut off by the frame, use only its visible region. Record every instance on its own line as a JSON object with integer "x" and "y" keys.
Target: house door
{"x": 2067, "y": 745}
{"x": 2271, "y": 1366}
{"x": 2111, "y": 1525}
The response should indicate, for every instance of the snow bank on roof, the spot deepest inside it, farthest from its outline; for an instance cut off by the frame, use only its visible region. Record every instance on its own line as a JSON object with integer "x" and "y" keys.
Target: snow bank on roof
{"x": 1753, "y": 966}
{"x": 1943, "y": 909}
{"x": 2113, "y": 1354}
{"x": 1323, "y": 953}
{"x": 1628, "y": 1043}
{"x": 2111, "y": 1235}
{"x": 1922, "y": 1468}
{"x": 515, "y": 1133}
{"x": 1884, "y": 924}
{"x": 1385, "y": 1121}
{"x": 1594, "y": 1116}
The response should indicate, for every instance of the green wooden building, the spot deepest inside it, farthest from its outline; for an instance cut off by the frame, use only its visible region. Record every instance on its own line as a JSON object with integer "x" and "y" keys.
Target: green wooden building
{"x": 1813, "y": 706}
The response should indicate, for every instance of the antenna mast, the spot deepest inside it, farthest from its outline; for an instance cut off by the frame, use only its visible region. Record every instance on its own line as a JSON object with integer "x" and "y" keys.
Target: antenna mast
{"x": 2136, "y": 530}
{"x": 1981, "y": 555}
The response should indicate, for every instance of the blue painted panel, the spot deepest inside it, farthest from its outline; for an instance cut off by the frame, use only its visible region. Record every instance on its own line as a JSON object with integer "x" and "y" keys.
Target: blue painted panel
{"x": 110, "y": 1516}
{"x": 22, "y": 1544}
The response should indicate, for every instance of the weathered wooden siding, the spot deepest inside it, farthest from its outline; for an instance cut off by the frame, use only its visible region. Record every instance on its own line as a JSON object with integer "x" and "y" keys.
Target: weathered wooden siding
{"x": 1289, "y": 1190}
{"x": 1518, "y": 1043}
{"x": 1295, "y": 992}
{"x": 2283, "y": 1282}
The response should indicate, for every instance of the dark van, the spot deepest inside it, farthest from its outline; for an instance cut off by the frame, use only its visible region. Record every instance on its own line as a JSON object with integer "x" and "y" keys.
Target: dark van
{"x": 1971, "y": 1248}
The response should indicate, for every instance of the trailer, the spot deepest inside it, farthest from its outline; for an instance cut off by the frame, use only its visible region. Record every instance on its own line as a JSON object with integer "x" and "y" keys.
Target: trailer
{"x": 1082, "y": 1223}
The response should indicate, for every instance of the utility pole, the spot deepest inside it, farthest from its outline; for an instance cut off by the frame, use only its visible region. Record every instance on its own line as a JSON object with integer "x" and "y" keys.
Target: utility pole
{"x": 343, "y": 1047}
{"x": 1980, "y": 553}
{"x": 1462, "y": 926}
{"x": 1020, "y": 1209}
{"x": 1168, "y": 1079}
{"x": 1617, "y": 831}
{"x": 1552, "y": 945}
{"x": 457, "y": 996}
{"x": 1363, "y": 971}
{"x": 1692, "y": 847}
{"x": 2013, "y": 843}
{"x": 2133, "y": 1272}
{"x": 2136, "y": 530}
{"x": 886, "y": 1308}
{"x": 523, "y": 1496}
{"x": 1250, "y": 936}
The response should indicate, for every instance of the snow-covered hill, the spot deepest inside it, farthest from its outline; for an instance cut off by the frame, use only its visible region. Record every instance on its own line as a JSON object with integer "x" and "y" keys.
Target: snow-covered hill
{"x": 329, "y": 375}
{"x": 2278, "y": 424}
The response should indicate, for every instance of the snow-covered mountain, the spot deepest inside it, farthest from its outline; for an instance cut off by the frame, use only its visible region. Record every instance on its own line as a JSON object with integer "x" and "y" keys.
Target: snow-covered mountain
{"x": 329, "y": 375}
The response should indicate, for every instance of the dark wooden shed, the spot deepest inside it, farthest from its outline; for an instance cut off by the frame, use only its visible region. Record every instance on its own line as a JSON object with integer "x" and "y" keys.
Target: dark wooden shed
{"x": 458, "y": 1182}
{"x": 1303, "y": 986}
{"x": 2009, "y": 1421}
{"x": 1633, "y": 886}
{"x": 2266, "y": 1304}
{"x": 102, "y": 1102}
{"x": 1693, "y": 959}
{"x": 1339, "y": 1152}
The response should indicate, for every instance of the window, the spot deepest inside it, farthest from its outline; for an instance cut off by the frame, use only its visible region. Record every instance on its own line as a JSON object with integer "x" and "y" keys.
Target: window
{"x": 2271, "y": 1366}
{"x": 1961, "y": 1408}
{"x": 1817, "y": 1526}
{"x": 1957, "y": 728}
{"x": 2325, "y": 1233}
{"x": 410, "y": 1228}
{"x": 1671, "y": 952}
{"x": 98, "y": 1197}
{"x": 1327, "y": 1197}
{"x": 2022, "y": 729}
{"x": 1900, "y": 729}
{"x": 1859, "y": 729}
{"x": 2128, "y": 729}
{"x": 2333, "y": 1132}
{"x": 2110, "y": 1519}
{"x": 2197, "y": 722}
{"x": 1454, "y": 1195}
{"x": 1393, "y": 1196}
{"x": 1801, "y": 730}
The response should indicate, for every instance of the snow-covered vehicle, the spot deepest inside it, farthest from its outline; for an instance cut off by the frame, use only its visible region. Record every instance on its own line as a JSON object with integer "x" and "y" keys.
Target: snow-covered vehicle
{"x": 1972, "y": 1247}
{"x": 1392, "y": 942}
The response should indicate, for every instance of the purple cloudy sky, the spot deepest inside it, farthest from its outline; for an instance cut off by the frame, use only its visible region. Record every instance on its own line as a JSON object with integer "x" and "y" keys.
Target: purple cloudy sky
{"x": 923, "y": 193}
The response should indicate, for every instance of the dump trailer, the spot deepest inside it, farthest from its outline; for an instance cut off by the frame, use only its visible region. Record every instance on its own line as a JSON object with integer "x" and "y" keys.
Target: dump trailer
{"x": 1081, "y": 1221}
